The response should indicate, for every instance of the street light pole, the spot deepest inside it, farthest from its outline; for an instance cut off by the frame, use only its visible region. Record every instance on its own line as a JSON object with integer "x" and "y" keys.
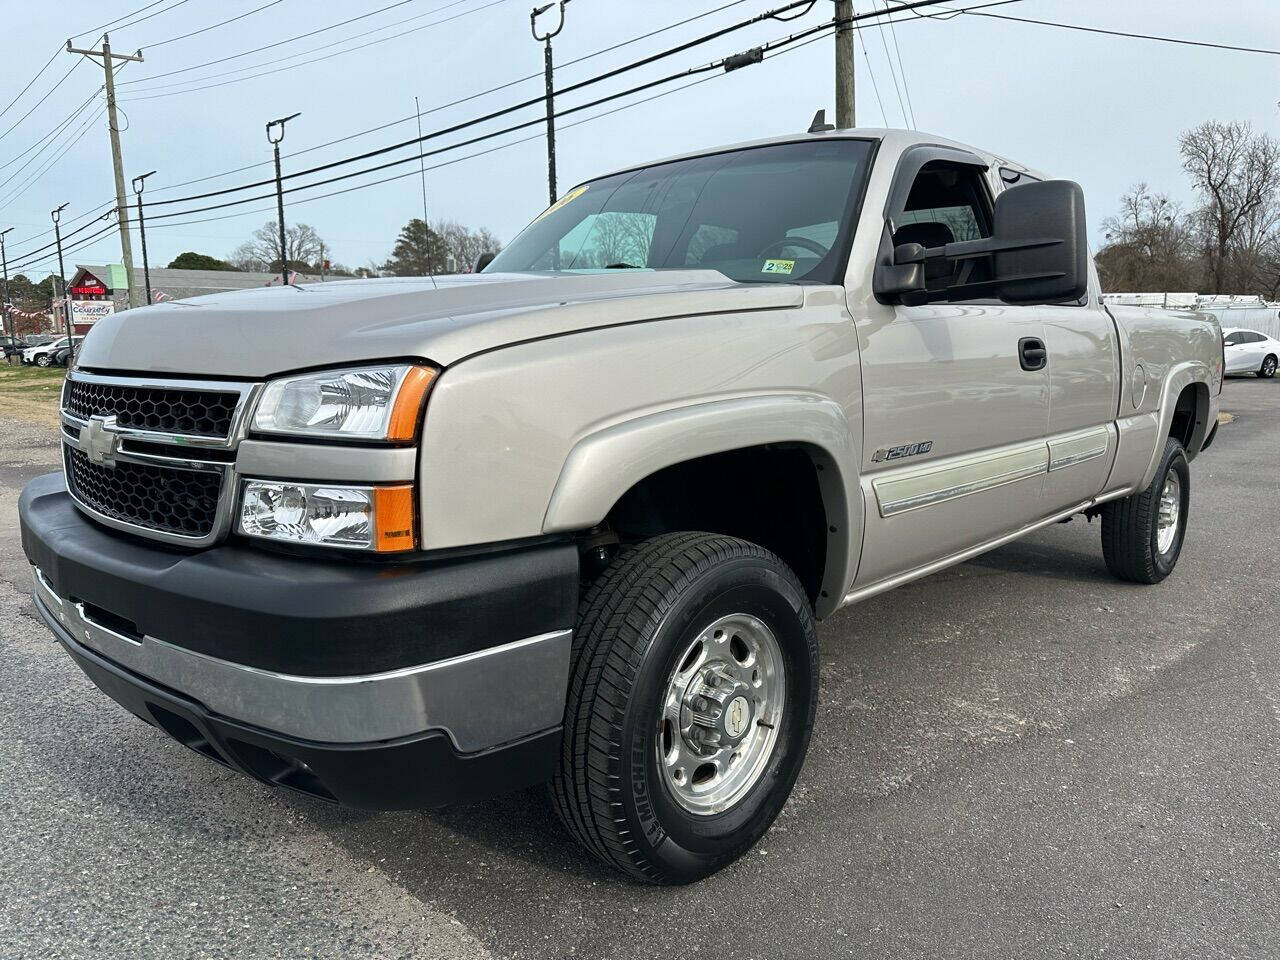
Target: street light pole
{"x": 548, "y": 69}
{"x": 5, "y": 328}
{"x": 62, "y": 276}
{"x": 274, "y": 140}
{"x": 139, "y": 183}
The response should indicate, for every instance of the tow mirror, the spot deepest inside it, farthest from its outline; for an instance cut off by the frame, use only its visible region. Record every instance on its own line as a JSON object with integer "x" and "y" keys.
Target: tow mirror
{"x": 1043, "y": 254}
{"x": 1038, "y": 253}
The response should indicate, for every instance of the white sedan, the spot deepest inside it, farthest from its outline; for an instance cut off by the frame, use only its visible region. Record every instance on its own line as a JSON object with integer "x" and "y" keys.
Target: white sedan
{"x": 1248, "y": 351}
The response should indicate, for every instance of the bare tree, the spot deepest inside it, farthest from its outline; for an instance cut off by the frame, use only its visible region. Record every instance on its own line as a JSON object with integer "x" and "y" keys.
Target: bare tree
{"x": 1150, "y": 245}
{"x": 1237, "y": 174}
{"x": 303, "y": 248}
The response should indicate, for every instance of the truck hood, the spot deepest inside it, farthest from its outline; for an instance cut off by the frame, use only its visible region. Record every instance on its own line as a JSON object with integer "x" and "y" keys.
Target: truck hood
{"x": 266, "y": 331}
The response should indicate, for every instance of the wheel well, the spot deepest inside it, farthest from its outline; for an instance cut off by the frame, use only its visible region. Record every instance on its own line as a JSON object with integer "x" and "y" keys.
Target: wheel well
{"x": 1190, "y": 414}
{"x": 767, "y": 495}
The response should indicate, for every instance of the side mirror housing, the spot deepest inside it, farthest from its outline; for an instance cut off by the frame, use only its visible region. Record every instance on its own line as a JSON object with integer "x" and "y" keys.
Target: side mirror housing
{"x": 1041, "y": 250}
{"x": 903, "y": 278}
{"x": 482, "y": 261}
{"x": 1038, "y": 253}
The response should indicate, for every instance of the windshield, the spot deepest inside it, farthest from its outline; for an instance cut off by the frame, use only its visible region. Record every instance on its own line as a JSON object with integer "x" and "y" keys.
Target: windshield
{"x": 772, "y": 214}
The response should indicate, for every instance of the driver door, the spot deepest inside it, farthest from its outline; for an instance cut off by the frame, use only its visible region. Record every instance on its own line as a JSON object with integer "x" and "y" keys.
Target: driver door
{"x": 954, "y": 414}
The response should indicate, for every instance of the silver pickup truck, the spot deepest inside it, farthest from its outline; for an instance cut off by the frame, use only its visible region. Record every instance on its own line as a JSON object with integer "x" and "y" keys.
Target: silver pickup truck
{"x": 571, "y": 519}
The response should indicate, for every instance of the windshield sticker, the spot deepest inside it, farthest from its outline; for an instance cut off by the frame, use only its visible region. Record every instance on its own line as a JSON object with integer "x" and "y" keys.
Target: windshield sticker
{"x": 778, "y": 266}
{"x": 571, "y": 195}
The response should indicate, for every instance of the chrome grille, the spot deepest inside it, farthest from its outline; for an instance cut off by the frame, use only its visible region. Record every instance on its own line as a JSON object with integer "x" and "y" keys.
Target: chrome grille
{"x": 201, "y": 413}
{"x": 182, "y": 502}
{"x": 153, "y": 456}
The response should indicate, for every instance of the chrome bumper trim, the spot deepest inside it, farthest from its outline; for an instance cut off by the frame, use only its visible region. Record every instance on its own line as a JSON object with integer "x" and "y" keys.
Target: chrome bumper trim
{"x": 480, "y": 699}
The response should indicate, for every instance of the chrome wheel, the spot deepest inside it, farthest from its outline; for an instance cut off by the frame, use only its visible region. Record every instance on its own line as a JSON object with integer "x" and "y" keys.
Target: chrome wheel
{"x": 1269, "y": 367}
{"x": 1170, "y": 512}
{"x": 721, "y": 712}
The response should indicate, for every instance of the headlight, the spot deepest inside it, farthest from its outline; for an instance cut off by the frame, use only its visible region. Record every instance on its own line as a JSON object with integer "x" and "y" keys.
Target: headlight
{"x": 381, "y": 402}
{"x": 331, "y": 515}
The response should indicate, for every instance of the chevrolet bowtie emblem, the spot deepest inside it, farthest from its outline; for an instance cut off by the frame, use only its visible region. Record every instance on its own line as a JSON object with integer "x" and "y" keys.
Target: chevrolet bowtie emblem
{"x": 99, "y": 441}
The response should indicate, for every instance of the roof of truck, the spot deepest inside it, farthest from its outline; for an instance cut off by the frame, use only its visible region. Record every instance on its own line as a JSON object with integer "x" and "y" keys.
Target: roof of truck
{"x": 894, "y": 139}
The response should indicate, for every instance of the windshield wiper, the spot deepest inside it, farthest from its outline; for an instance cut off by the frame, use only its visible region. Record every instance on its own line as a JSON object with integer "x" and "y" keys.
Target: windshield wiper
{"x": 621, "y": 266}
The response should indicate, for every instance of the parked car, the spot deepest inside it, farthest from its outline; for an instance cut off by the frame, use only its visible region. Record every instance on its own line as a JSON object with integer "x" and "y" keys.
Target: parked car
{"x": 65, "y": 355}
{"x": 13, "y": 346}
{"x": 1248, "y": 351}
{"x": 572, "y": 519}
{"x": 42, "y": 355}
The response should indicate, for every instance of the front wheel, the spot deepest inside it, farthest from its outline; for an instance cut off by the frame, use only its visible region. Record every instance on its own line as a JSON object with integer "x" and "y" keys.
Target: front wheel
{"x": 1268, "y": 368}
{"x": 43, "y": 360}
{"x": 1142, "y": 534}
{"x": 691, "y": 701}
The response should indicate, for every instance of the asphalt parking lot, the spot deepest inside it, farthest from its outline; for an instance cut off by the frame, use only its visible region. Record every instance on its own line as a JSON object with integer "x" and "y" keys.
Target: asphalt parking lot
{"x": 1018, "y": 757}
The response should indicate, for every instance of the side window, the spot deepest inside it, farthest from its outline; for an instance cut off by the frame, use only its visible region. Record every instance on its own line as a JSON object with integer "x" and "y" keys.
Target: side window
{"x": 1232, "y": 339}
{"x": 947, "y": 203}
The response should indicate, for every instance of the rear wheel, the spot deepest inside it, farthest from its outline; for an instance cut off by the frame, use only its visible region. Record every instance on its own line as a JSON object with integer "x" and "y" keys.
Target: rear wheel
{"x": 1142, "y": 534}
{"x": 691, "y": 701}
{"x": 1268, "y": 368}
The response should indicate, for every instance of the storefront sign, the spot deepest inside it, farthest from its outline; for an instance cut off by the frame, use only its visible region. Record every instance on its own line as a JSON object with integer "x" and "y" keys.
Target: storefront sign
{"x": 91, "y": 311}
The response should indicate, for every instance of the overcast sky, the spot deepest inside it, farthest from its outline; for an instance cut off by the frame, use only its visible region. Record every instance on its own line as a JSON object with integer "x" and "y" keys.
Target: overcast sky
{"x": 1105, "y": 111}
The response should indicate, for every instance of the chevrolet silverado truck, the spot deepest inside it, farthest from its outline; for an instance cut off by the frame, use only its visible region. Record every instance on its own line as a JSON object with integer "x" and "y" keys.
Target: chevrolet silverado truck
{"x": 571, "y": 519}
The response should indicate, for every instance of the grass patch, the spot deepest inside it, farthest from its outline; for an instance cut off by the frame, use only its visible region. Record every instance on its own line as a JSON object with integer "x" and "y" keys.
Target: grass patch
{"x": 30, "y": 393}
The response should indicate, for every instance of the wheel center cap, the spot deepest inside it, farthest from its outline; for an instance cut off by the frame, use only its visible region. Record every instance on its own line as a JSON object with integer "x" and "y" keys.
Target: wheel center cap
{"x": 737, "y": 717}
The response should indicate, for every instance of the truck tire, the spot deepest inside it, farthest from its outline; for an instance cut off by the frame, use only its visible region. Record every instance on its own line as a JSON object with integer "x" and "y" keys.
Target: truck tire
{"x": 1268, "y": 368}
{"x": 1142, "y": 534}
{"x": 691, "y": 700}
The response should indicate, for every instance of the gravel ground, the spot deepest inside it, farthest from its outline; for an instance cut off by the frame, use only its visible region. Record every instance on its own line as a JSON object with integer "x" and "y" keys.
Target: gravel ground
{"x": 1017, "y": 757}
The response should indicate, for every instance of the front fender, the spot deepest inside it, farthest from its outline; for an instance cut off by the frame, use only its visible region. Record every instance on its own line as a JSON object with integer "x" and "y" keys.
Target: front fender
{"x": 605, "y": 464}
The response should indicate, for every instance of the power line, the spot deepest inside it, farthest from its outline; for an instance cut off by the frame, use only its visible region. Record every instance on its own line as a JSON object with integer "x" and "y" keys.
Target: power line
{"x": 146, "y": 93}
{"x": 1122, "y": 33}
{"x": 795, "y": 40}
{"x": 117, "y": 25}
{"x": 609, "y": 74}
{"x": 278, "y": 43}
{"x": 884, "y": 117}
{"x": 902, "y": 70}
{"x": 714, "y": 65}
{"x": 502, "y": 146}
{"x": 215, "y": 26}
{"x": 902, "y": 107}
{"x": 31, "y": 82}
{"x": 453, "y": 103}
{"x": 36, "y": 105}
{"x": 50, "y": 142}
{"x": 43, "y": 142}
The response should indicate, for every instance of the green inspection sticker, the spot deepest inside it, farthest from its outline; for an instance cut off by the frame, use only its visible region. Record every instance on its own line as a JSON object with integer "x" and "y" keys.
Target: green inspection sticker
{"x": 778, "y": 266}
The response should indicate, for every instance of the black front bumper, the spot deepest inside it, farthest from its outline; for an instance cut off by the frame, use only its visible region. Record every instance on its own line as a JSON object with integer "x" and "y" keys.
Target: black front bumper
{"x": 306, "y": 618}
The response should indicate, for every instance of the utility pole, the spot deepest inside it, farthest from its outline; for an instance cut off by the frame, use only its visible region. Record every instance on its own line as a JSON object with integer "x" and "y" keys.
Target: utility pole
{"x": 845, "y": 106}
{"x": 274, "y": 140}
{"x": 548, "y": 69}
{"x": 122, "y": 210}
{"x": 5, "y": 328}
{"x": 138, "y": 184}
{"x": 62, "y": 276}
